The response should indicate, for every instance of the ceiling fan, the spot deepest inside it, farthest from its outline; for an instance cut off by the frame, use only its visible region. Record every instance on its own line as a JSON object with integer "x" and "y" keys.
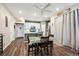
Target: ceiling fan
{"x": 44, "y": 9}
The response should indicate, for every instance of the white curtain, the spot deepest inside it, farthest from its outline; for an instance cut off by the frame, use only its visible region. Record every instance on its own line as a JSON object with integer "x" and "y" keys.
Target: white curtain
{"x": 66, "y": 29}
{"x": 77, "y": 29}
{"x": 60, "y": 28}
{"x": 69, "y": 30}
{"x": 73, "y": 30}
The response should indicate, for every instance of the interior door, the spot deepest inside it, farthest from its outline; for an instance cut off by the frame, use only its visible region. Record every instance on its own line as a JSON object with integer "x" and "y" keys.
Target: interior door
{"x": 19, "y": 30}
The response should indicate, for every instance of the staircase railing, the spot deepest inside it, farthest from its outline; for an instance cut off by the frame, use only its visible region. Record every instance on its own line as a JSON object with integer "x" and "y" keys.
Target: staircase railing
{"x": 1, "y": 44}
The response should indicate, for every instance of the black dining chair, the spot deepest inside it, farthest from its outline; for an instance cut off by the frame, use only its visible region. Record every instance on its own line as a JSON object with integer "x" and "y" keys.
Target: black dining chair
{"x": 51, "y": 43}
{"x": 44, "y": 45}
{"x": 32, "y": 47}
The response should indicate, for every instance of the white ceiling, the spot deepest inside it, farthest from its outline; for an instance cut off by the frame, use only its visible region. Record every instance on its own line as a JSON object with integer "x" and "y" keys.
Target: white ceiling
{"x": 28, "y": 10}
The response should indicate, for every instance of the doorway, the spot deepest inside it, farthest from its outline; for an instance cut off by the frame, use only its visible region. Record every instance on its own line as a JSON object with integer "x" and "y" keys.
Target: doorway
{"x": 19, "y": 30}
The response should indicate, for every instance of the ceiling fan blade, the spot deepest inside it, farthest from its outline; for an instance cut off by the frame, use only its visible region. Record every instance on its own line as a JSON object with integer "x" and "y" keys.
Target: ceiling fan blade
{"x": 47, "y": 6}
{"x": 42, "y": 12}
{"x": 48, "y": 10}
{"x": 38, "y": 7}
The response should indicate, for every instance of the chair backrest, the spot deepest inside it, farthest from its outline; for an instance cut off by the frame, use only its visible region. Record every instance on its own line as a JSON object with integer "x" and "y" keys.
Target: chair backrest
{"x": 33, "y": 39}
{"x": 44, "y": 38}
{"x": 28, "y": 39}
{"x": 51, "y": 37}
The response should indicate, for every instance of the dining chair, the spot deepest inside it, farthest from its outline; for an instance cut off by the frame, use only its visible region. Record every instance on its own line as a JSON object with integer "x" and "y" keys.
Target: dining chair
{"x": 44, "y": 45}
{"x": 32, "y": 45}
{"x": 51, "y": 37}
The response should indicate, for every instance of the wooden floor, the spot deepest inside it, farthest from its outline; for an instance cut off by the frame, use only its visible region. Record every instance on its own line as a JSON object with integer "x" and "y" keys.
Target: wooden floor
{"x": 19, "y": 48}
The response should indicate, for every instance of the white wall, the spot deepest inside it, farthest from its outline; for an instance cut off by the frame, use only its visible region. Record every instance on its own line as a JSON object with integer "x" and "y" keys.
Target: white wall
{"x": 8, "y": 32}
{"x": 43, "y": 28}
{"x": 57, "y": 29}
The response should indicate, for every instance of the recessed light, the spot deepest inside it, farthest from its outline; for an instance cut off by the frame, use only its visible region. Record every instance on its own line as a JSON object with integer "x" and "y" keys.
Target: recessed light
{"x": 46, "y": 15}
{"x": 21, "y": 18}
{"x": 41, "y": 7}
{"x": 57, "y": 9}
{"x": 20, "y": 12}
{"x": 35, "y": 14}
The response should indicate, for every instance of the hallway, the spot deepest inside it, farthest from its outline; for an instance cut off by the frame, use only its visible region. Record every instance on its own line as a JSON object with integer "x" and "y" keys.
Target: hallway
{"x": 18, "y": 48}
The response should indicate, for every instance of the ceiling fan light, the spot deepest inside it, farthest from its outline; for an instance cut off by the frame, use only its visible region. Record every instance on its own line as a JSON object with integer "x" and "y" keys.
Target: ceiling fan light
{"x": 57, "y": 9}
{"x": 46, "y": 15}
{"x": 35, "y": 14}
{"x": 20, "y": 12}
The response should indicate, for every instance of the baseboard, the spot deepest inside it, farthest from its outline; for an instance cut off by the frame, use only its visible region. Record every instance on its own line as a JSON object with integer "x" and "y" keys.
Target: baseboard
{"x": 7, "y": 45}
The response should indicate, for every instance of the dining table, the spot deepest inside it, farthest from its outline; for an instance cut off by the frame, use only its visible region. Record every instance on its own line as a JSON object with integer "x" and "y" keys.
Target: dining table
{"x": 36, "y": 40}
